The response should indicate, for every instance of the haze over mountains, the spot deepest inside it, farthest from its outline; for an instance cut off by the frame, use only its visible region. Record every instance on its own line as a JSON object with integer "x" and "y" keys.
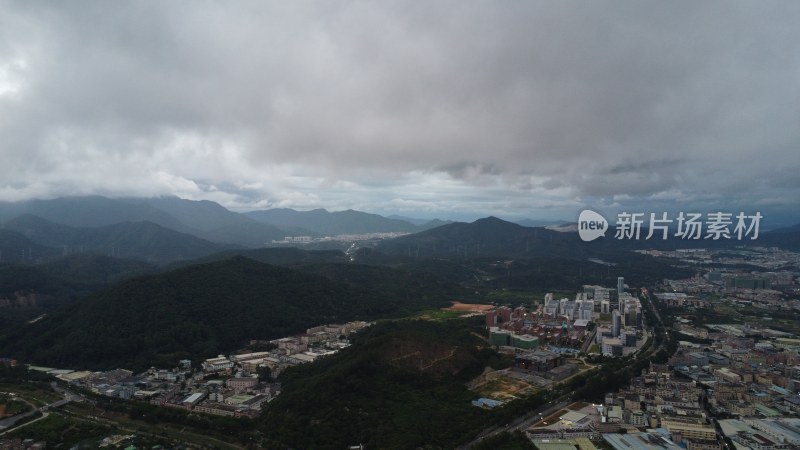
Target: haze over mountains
{"x": 164, "y": 230}
{"x": 202, "y": 219}
{"x": 139, "y": 240}
{"x": 322, "y": 222}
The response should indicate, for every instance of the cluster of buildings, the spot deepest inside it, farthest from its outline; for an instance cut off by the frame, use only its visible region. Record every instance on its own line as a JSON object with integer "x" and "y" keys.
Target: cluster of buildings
{"x": 733, "y": 383}
{"x": 773, "y": 278}
{"x": 571, "y": 323}
{"x": 735, "y": 389}
{"x": 621, "y": 336}
{"x": 763, "y": 434}
{"x": 737, "y": 382}
{"x": 765, "y": 258}
{"x": 294, "y": 240}
{"x": 240, "y": 395}
{"x": 524, "y": 329}
{"x": 548, "y": 365}
{"x": 660, "y": 399}
{"x": 646, "y": 416}
{"x": 734, "y": 282}
{"x": 224, "y": 385}
{"x": 656, "y": 411}
{"x": 303, "y": 348}
{"x": 745, "y": 376}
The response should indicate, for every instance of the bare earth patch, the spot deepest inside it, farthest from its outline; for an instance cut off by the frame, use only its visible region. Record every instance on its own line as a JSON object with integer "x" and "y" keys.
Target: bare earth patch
{"x": 468, "y": 307}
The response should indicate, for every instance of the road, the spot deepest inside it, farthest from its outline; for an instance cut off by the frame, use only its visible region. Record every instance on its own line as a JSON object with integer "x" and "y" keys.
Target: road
{"x": 589, "y": 341}
{"x": 8, "y": 424}
{"x": 523, "y": 422}
{"x": 44, "y": 416}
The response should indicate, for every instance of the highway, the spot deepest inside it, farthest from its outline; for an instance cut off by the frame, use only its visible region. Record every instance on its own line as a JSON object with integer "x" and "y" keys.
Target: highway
{"x": 523, "y": 422}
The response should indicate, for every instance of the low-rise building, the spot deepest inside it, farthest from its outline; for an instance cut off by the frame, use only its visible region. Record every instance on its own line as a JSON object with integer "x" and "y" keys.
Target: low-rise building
{"x": 218, "y": 364}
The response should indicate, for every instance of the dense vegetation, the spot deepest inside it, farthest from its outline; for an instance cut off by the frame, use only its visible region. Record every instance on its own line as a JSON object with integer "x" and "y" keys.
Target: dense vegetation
{"x": 506, "y": 441}
{"x": 16, "y": 248}
{"x": 31, "y": 290}
{"x": 201, "y": 311}
{"x": 401, "y": 385}
{"x": 279, "y": 256}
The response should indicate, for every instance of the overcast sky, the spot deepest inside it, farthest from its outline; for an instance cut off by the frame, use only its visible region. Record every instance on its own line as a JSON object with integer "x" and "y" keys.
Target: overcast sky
{"x": 421, "y": 108}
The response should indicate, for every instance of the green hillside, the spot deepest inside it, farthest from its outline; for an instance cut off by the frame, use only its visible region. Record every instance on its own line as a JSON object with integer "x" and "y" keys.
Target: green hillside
{"x": 197, "y": 312}
{"x": 16, "y": 248}
{"x": 401, "y": 385}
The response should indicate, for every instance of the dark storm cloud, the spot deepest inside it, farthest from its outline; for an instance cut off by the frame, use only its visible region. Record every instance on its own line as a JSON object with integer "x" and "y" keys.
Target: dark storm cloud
{"x": 422, "y": 105}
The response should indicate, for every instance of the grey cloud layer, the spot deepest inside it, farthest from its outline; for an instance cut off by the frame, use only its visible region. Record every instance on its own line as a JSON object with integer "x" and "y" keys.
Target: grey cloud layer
{"x": 292, "y": 103}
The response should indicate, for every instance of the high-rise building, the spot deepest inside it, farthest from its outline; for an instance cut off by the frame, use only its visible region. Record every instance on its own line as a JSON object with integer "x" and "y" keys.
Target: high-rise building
{"x": 504, "y": 312}
{"x": 586, "y": 311}
{"x": 620, "y": 285}
{"x": 616, "y": 323}
{"x": 568, "y": 309}
{"x": 629, "y": 339}
{"x": 551, "y": 307}
{"x": 491, "y": 319}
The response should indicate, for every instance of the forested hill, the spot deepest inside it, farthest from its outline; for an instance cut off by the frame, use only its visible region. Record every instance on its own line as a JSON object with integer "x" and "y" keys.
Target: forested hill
{"x": 489, "y": 237}
{"x": 401, "y": 385}
{"x": 197, "y": 312}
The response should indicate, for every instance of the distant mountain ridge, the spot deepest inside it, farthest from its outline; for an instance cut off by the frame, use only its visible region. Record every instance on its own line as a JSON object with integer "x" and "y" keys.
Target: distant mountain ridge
{"x": 539, "y": 223}
{"x": 139, "y": 240}
{"x": 215, "y": 222}
{"x": 203, "y": 219}
{"x": 325, "y": 223}
{"x": 206, "y": 219}
{"x": 89, "y": 211}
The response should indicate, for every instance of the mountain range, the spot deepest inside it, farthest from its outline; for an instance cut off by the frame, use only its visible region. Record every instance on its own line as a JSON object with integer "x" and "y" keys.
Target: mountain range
{"x": 325, "y": 223}
{"x": 138, "y": 240}
{"x": 202, "y": 219}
